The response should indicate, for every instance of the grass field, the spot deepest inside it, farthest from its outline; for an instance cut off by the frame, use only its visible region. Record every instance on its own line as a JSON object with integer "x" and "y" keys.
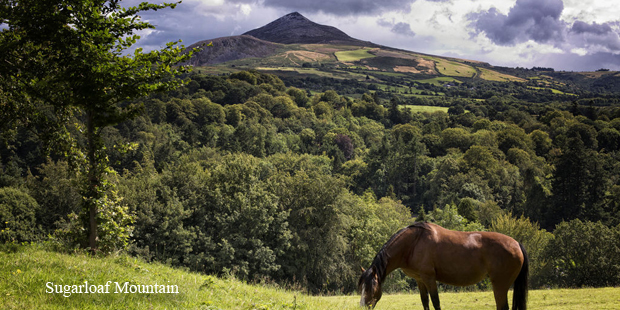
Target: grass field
{"x": 565, "y": 299}
{"x": 491, "y": 75}
{"x": 439, "y": 80}
{"x": 553, "y": 90}
{"x": 453, "y": 68}
{"x": 425, "y": 108}
{"x": 336, "y": 74}
{"x": 26, "y": 272}
{"x": 355, "y": 55}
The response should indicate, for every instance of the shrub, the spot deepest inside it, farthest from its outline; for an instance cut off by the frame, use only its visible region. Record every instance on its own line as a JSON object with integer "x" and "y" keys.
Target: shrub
{"x": 18, "y": 213}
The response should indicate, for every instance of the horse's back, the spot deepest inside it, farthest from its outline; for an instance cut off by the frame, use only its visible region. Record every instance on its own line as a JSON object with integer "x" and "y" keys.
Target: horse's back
{"x": 464, "y": 258}
{"x": 485, "y": 241}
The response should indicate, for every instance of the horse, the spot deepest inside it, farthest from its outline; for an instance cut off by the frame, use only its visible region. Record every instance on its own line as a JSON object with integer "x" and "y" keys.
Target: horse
{"x": 430, "y": 253}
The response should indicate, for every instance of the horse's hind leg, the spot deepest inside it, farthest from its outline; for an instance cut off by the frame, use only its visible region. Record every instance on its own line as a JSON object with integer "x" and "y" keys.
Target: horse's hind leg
{"x": 500, "y": 291}
{"x": 431, "y": 285}
{"x": 423, "y": 295}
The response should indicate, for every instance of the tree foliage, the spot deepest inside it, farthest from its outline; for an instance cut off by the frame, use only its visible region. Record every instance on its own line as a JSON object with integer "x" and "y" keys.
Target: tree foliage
{"x": 66, "y": 60}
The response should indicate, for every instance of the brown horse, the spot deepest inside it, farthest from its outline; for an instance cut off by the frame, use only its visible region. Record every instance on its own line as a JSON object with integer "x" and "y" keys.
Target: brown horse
{"x": 430, "y": 253}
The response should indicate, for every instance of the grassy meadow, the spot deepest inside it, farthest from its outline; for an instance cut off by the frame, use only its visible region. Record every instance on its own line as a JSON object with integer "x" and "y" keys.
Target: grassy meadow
{"x": 590, "y": 298}
{"x": 453, "y": 68}
{"x": 425, "y": 108}
{"x": 355, "y": 55}
{"x": 491, "y": 75}
{"x": 26, "y": 271}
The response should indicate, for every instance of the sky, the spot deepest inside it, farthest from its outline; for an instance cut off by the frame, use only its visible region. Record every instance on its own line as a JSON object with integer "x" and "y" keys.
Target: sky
{"x": 570, "y": 35}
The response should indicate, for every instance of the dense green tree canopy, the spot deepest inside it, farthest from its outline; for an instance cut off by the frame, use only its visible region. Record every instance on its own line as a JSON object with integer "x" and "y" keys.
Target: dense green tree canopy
{"x": 66, "y": 60}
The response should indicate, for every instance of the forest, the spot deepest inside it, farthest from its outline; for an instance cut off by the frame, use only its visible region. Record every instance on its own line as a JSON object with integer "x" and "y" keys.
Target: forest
{"x": 242, "y": 175}
{"x": 289, "y": 181}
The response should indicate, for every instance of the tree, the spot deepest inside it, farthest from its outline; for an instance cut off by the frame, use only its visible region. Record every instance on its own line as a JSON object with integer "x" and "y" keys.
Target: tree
{"x": 579, "y": 184}
{"x": 534, "y": 239}
{"x": 65, "y": 63}
{"x": 584, "y": 253}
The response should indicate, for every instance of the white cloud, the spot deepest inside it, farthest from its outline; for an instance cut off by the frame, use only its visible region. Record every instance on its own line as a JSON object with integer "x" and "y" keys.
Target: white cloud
{"x": 579, "y": 51}
{"x": 245, "y": 9}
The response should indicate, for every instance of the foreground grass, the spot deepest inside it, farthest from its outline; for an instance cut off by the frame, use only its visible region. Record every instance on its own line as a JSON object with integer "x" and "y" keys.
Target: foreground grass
{"x": 591, "y": 298}
{"x": 24, "y": 274}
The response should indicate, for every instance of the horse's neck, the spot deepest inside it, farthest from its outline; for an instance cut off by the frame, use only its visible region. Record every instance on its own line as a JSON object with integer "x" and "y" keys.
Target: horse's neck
{"x": 399, "y": 250}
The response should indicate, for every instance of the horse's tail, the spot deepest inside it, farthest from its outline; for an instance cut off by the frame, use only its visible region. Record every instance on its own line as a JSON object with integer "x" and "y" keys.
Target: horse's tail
{"x": 519, "y": 299}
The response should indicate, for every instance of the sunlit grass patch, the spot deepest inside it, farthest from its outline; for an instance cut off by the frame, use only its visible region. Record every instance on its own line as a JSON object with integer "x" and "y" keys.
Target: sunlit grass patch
{"x": 355, "y": 55}
{"x": 491, "y": 75}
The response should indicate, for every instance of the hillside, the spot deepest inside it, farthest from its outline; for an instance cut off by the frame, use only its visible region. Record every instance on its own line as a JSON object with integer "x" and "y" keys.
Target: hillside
{"x": 232, "y": 48}
{"x": 27, "y": 274}
{"x": 27, "y": 271}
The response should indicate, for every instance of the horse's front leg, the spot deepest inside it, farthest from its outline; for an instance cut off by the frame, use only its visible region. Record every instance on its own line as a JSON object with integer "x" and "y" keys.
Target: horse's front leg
{"x": 423, "y": 295}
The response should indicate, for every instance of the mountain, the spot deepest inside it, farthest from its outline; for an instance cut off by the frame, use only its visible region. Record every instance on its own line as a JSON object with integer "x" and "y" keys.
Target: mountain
{"x": 296, "y": 47}
{"x": 232, "y": 48}
{"x": 294, "y": 28}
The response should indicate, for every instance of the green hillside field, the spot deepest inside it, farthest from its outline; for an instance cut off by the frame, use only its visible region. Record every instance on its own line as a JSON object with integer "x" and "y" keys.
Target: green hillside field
{"x": 355, "y": 55}
{"x": 31, "y": 276}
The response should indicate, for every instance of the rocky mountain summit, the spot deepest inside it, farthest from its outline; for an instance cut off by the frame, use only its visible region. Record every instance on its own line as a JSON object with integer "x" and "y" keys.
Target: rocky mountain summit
{"x": 268, "y": 40}
{"x": 295, "y": 28}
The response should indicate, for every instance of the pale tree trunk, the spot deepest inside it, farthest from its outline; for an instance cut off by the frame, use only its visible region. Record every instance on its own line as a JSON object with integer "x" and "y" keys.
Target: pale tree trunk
{"x": 93, "y": 191}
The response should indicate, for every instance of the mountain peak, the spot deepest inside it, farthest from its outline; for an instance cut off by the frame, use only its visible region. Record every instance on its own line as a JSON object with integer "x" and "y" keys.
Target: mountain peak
{"x": 294, "y": 28}
{"x": 293, "y": 15}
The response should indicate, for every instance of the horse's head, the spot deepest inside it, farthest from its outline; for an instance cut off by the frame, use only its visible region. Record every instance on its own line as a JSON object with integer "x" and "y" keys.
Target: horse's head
{"x": 369, "y": 288}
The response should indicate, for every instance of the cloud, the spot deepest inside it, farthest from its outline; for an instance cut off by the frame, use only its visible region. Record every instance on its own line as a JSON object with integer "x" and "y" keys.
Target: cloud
{"x": 197, "y": 20}
{"x": 404, "y": 29}
{"x": 397, "y": 28}
{"x": 595, "y": 37}
{"x": 575, "y": 62}
{"x": 540, "y": 21}
{"x": 537, "y": 20}
{"x": 337, "y": 7}
{"x": 580, "y": 27}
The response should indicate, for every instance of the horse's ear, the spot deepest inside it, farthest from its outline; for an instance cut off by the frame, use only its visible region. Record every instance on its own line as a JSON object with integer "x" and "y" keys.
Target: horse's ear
{"x": 363, "y": 270}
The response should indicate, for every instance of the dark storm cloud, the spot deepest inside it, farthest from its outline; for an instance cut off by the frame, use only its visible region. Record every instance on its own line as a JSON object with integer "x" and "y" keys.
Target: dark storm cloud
{"x": 339, "y": 7}
{"x": 594, "y": 28}
{"x": 537, "y": 20}
{"x": 594, "y": 35}
{"x": 183, "y": 23}
{"x": 192, "y": 21}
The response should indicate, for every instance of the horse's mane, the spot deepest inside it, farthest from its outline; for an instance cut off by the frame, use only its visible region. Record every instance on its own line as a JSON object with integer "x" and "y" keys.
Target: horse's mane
{"x": 380, "y": 262}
